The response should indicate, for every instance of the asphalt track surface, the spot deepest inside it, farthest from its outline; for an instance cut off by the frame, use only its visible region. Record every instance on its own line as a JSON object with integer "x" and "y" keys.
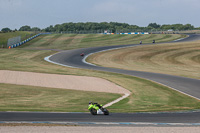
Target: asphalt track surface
{"x": 72, "y": 58}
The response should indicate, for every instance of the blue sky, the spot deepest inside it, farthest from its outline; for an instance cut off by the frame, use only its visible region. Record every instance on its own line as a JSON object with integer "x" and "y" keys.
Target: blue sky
{"x": 43, "y": 13}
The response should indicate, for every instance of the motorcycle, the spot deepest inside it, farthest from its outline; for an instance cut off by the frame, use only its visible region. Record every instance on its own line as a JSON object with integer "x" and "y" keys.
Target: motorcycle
{"x": 82, "y": 54}
{"x": 95, "y": 109}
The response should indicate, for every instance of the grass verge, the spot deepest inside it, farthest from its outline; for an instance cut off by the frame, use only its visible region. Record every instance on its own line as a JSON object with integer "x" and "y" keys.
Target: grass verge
{"x": 5, "y": 36}
{"x": 146, "y": 96}
{"x": 74, "y": 41}
{"x": 181, "y": 59}
{"x": 28, "y": 98}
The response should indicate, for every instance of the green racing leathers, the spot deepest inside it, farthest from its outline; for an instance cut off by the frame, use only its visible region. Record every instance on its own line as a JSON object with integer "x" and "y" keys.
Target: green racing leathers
{"x": 95, "y": 106}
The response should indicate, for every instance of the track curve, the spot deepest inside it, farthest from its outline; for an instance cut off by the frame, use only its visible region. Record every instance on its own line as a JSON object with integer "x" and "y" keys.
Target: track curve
{"x": 184, "y": 85}
{"x": 72, "y": 58}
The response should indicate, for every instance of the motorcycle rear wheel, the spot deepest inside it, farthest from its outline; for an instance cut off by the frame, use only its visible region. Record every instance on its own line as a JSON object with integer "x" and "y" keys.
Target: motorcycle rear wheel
{"x": 93, "y": 111}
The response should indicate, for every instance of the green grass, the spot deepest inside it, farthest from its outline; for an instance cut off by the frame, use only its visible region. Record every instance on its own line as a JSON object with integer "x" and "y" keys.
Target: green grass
{"x": 74, "y": 41}
{"x": 145, "y": 95}
{"x": 5, "y": 36}
{"x": 148, "y": 96}
{"x": 28, "y": 98}
{"x": 181, "y": 59}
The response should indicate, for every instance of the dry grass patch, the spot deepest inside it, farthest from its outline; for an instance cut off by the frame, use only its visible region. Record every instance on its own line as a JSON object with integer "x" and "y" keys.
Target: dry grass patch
{"x": 73, "y": 41}
{"x": 182, "y": 59}
{"x": 146, "y": 96}
{"x": 40, "y": 99}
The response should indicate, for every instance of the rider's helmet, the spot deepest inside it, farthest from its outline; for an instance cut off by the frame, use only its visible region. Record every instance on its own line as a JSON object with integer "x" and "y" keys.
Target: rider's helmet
{"x": 90, "y": 102}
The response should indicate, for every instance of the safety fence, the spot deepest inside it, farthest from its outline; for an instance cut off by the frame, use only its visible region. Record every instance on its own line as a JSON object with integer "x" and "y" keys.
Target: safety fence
{"x": 14, "y": 40}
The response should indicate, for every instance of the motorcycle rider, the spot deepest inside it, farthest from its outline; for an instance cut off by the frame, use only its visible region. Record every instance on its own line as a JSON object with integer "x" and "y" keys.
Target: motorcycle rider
{"x": 82, "y": 54}
{"x": 96, "y": 108}
{"x": 98, "y": 105}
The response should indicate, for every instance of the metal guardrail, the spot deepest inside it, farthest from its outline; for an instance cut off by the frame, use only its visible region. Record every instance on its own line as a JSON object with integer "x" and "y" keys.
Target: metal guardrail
{"x": 25, "y": 41}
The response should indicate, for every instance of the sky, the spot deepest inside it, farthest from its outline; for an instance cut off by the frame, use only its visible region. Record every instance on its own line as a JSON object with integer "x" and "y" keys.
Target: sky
{"x": 43, "y": 13}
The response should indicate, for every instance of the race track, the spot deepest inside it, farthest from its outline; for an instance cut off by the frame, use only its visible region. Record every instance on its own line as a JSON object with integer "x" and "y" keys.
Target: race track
{"x": 119, "y": 118}
{"x": 72, "y": 58}
{"x": 187, "y": 86}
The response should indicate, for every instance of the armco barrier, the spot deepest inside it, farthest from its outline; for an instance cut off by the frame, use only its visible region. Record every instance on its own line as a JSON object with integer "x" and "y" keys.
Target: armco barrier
{"x": 134, "y": 33}
{"x": 130, "y": 33}
{"x": 29, "y": 39}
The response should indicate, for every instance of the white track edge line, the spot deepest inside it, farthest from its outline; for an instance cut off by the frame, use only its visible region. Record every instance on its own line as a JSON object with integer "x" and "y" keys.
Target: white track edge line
{"x": 84, "y": 60}
{"x": 125, "y": 95}
{"x": 108, "y": 104}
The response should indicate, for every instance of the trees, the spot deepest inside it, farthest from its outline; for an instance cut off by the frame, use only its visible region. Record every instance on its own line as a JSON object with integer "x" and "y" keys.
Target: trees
{"x": 25, "y": 28}
{"x": 188, "y": 27}
{"x": 154, "y": 25}
{"x": 6, "y": 30}
{"x": 90, "y": 27}
{"x": 114, "y": 27}
{"x": 35, "y": 29}
{"x": 178, "y": 27}
{"x": 49, "y": 29}
{"x": 166, "y": 27}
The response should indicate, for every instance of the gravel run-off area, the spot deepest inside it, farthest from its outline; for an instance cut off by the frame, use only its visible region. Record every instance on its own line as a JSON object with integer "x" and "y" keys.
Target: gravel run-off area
{"x": 72, "y": 82}
{"x": 66, "y": 129}
{"x": 76, "y": 83}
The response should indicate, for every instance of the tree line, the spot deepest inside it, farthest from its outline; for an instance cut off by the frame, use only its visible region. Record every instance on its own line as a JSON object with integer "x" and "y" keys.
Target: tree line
{"x": 113, "y": 27}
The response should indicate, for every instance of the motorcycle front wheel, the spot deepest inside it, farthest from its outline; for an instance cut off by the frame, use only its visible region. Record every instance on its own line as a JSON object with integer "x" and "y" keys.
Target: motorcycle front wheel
{"x": 106, "y": 112}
